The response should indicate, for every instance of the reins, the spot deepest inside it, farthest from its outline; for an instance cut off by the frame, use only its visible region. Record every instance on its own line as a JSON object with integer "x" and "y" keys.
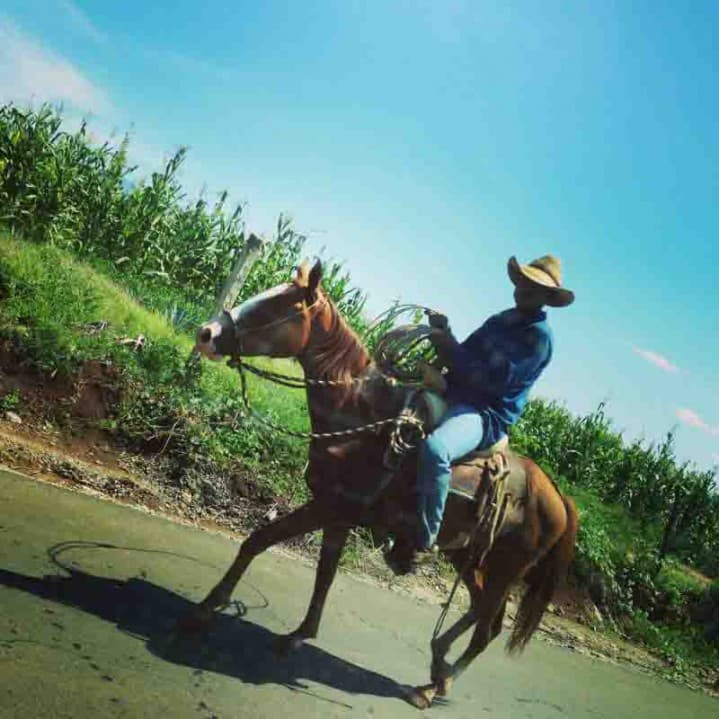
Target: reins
{"x": 404, "y": 419}
{"x": 293, "y": 382}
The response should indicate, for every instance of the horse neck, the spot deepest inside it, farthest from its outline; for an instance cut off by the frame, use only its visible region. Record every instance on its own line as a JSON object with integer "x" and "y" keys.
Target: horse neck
{"x": 333, "y": 353}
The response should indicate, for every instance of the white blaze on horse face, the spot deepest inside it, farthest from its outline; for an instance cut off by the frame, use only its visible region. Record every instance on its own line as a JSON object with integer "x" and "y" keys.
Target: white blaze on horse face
{"x": 205, "y": 342}
{"x": 241, "y": 311}
{"x": 213, "y": 334}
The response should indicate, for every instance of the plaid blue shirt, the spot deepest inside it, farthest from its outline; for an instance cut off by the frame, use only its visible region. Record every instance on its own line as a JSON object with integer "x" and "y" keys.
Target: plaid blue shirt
{"x": 495, "y": 367}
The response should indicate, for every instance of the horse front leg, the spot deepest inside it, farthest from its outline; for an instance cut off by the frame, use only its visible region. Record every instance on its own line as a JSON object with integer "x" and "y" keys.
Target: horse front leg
{"x": 306, "y": 518}
{"x": 333, "y": 542}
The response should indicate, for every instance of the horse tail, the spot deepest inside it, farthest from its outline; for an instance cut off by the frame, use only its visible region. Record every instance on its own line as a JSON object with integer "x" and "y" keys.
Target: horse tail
{"x": 542, "y": 580}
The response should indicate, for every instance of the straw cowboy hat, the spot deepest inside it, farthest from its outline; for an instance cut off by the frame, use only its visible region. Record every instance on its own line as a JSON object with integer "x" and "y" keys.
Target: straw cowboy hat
{"x": 545, "y": 273}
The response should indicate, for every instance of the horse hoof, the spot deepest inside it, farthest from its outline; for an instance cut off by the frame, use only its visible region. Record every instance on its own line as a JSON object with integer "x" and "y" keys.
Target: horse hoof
{"x": 420, "y": 697}
{"x": 286, "y": 644}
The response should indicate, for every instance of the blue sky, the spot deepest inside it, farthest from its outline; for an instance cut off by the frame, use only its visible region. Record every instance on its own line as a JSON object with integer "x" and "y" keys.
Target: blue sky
{"x": 426, "y": 142}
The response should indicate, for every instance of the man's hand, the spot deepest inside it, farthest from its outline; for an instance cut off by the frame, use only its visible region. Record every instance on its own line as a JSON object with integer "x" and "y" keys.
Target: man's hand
{"x": 437, "y": 320}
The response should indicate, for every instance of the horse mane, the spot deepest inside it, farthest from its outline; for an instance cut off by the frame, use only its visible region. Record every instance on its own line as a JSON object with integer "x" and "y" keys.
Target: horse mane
{"x": 340, "y": 355}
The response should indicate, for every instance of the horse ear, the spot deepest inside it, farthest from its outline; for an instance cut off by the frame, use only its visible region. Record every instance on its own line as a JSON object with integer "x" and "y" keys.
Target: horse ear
{"x": 314, "y": 278}
{"x": 303, "y": 272}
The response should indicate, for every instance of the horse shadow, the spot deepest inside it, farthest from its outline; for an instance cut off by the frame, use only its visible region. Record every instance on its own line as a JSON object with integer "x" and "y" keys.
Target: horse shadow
{"x": 233, "y": 646}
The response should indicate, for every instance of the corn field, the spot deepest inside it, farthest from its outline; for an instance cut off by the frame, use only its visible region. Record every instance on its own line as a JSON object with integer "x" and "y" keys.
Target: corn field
{"x": 58, "y": 187}
{"x": 679, "y": 502}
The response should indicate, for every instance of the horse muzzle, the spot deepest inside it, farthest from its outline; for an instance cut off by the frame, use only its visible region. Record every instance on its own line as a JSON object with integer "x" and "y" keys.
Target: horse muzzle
{"x": 216, "y": 339}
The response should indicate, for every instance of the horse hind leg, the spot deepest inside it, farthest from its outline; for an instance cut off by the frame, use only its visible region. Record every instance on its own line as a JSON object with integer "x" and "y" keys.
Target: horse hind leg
{"x": 421, "y": 697}
{"x": 442, "y": 643}
{"x": 304, "y": 519}
{"x": 444, "y": 674}
{"x": 503, "y": 565}
{"x": 333, "y": 542}
{"x": 484, "y": 632}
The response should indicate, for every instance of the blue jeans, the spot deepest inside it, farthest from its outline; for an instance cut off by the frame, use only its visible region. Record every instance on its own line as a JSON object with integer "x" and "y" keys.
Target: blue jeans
{"x": 460, "y": 433}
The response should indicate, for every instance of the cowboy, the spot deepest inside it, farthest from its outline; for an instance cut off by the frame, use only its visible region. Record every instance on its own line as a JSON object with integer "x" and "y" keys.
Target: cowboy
{"x": 490, "y": 375}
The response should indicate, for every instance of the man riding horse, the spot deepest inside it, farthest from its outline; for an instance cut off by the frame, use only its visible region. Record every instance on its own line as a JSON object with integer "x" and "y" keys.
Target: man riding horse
{"x": 490, "y": 375}
{"x": 355, "y": 414}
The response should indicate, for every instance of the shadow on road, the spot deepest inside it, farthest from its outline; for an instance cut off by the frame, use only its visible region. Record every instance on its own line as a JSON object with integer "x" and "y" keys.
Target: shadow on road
{"x": 233, "y": 646}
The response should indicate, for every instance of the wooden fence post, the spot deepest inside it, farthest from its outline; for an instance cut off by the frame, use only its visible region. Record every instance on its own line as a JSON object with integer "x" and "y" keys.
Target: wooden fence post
{"x": 247, "y": 257}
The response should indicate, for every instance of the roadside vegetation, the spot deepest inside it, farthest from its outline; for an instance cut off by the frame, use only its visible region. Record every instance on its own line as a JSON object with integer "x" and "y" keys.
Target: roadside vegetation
{"x": 101, "y": 269}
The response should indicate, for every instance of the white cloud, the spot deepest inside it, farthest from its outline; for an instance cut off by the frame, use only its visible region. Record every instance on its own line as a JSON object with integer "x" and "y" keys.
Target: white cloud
{"x": 656, "y": 359}
{"x": 693, "y": 419}
{"x": 690, "y": 417}
{"x": 82, "y": 22}
{"x": 30, "y": 72}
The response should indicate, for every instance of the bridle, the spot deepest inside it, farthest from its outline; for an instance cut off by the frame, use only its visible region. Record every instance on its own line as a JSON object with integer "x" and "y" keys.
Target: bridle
{"x": 321, "y": 301}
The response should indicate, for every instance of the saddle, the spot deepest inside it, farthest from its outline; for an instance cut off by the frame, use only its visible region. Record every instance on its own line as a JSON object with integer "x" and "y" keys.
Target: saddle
{"x": 492, "y": 485}
{"x": 491, "y": 480}
{"x": 489, "y": 464}
{"x": 476, "y": 480}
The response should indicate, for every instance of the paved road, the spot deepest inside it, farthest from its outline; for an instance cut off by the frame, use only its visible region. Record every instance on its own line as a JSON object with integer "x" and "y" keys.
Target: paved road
{"x": 91, "y": 640}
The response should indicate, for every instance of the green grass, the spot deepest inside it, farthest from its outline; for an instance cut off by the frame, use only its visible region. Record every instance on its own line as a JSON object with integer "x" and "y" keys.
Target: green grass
{"x": 50, "y": 296}
{"x": 49, "y": 299}
{"x": 607, "y": 534}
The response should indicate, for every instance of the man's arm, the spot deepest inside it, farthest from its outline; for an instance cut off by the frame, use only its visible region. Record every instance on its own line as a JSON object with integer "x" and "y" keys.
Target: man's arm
{"x": 525, "y": 369}
{"x": 445, "y": 344}
{"x": 442, "y": 339}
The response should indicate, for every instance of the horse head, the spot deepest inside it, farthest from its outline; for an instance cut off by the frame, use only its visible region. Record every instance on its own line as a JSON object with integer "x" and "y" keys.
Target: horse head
{"x": 274, "y": 323}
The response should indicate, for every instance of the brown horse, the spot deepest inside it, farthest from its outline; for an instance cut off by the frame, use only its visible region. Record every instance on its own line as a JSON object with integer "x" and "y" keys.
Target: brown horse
{"x": 536, "y": 542}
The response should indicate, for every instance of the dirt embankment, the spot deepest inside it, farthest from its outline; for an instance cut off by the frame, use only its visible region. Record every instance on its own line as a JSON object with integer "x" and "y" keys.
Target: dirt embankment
{"x": 49, "y": 429}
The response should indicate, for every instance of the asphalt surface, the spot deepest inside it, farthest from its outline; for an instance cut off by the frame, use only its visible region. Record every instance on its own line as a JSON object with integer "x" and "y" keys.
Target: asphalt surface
{"x": 90, "y": 592}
